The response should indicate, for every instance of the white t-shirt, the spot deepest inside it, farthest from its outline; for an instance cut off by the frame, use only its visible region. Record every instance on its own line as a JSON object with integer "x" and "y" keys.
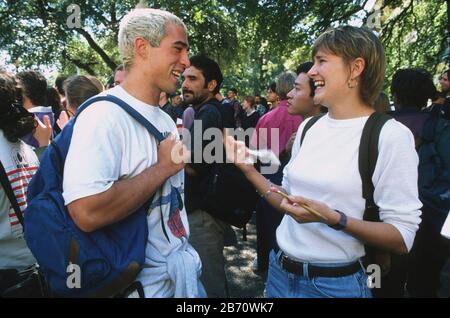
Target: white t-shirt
{"x": 325, "y": 168}
{"x": 20, "y": 164}
{"x": 109, "y": 145}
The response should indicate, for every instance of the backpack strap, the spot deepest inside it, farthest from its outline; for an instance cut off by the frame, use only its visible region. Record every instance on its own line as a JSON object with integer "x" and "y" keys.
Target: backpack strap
{"x": 10, "y": 193}
{"x": 367, "y": 160}
{"x": 141, "y": 119}
{"x": 130, "y": 110}
{"x": 308, "y": 125}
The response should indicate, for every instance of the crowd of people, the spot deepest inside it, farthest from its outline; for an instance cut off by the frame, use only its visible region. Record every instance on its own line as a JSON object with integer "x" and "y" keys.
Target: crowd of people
{"x": 313, "y": 234}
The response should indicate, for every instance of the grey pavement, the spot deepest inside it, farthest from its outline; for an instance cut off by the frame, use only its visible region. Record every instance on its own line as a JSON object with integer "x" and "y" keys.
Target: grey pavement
{"x": 242, "y": 281}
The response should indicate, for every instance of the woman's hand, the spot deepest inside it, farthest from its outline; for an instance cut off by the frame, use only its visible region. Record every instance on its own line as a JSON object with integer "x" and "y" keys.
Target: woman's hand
{"x": 238, "y": 154}
{"x": 293, "y": 207}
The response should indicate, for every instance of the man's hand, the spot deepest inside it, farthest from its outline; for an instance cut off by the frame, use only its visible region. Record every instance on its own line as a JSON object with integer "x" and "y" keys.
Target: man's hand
{"x": 63, "y": 119}
{"x": 172, "y": 155}
{"x": 43, "y": 131}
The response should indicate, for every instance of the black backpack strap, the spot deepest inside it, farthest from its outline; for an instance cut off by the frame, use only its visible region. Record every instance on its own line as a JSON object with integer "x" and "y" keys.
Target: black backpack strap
{"x": 368, "y": 155}
{"x": 308, "y": 125}
{"x": 10, "y": 193}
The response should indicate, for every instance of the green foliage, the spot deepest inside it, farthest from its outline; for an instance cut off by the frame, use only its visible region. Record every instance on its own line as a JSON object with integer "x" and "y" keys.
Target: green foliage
{"x": 252, "y": 40}
{"x": 415, "y": 36}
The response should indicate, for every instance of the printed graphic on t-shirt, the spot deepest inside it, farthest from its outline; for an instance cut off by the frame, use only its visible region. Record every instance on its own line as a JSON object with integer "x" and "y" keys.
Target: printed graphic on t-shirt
{"x": 176, "y": 205}
{"x": 175, "y": 223}
{"x": 19, "y": 177}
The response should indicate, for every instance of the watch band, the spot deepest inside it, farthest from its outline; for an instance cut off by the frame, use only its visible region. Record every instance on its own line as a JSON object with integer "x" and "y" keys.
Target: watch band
{"x": 342, "y": 224}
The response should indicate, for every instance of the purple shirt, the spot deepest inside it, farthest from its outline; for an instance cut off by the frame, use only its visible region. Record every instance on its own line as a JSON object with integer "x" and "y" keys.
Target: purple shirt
{"x": 280, "y": 119}
{"x": 188, "y": 117}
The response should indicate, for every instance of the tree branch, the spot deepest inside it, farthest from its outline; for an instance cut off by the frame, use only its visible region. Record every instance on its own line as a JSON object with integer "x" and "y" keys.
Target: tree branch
{"x": 388, "y": 28}
{"x": 111, "y": 64}
{"x": 85, "y": 66}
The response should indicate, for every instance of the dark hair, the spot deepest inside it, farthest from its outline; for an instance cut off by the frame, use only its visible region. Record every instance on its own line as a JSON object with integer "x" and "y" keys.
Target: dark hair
{"x": 59, "y": 83}
{"x": 210, "y": 70}
{"x": 273, "y": 87}
{"x": 79, "y": 88}
{"x": 234, "y": 90}
{"x": 15, "y": 121}
{"x": 304, "y": 68}
{"x": 53, "y": 99}
{"x": 413, "y": 87}
{"x": 448, "y": 73}
{"x": 34, "y": 86}
{"x": 263, "y": 102}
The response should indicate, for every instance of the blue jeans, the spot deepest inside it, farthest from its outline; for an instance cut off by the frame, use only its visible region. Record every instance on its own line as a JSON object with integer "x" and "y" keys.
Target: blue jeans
{"x": 282, "y": 284}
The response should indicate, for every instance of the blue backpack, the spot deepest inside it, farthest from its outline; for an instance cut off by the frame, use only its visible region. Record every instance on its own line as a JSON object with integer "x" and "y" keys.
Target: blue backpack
{"x": 109, "y": 259}
{"x": 434, "y": 169}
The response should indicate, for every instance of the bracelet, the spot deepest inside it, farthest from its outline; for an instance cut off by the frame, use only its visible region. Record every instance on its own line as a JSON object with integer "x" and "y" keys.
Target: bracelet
{"x": 267, "y": 192}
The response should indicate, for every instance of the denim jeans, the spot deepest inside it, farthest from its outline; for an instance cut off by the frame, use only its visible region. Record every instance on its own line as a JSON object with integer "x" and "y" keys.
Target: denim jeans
{"x": 282, "y": 284}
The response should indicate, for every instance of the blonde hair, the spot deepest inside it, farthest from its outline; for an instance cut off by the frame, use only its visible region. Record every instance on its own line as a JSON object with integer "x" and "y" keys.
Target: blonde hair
{"x": 350, "y": 43}
{"x": 150, "y": 24}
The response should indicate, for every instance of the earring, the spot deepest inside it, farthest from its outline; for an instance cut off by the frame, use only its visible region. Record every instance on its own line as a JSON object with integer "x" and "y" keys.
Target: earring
{"x": 349, "y": 83}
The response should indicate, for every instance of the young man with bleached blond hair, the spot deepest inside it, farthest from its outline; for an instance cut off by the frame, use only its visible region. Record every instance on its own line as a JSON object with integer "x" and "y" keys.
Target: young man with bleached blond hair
{"x": 114, "y": 165}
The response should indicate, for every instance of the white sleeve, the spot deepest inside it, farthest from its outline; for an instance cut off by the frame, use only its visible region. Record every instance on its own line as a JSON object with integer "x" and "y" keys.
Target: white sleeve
{"x": 395, "y": 180}
{"x": 94, "y": 157}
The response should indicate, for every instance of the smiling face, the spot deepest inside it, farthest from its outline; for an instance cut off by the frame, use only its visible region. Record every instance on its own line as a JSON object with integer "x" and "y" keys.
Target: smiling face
{"x": 330, "y": 75}
{"x": 300, "y": 101}
{"x": 165, "y": 64}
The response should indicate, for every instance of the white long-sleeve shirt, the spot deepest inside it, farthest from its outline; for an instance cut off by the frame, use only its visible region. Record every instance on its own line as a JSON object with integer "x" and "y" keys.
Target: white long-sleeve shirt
{"x": 325, "y": 168}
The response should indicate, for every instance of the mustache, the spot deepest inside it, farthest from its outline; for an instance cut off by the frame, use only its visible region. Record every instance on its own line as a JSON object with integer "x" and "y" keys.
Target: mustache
{"x": 188, "y": 92}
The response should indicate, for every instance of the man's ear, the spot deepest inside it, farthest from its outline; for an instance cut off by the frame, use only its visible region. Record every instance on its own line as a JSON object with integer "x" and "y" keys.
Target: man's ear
{"x": 141, "y": 47}
{"x": 212, "y": 85}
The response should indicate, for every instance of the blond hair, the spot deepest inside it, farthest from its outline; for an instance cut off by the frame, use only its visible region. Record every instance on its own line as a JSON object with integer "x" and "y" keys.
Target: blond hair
{"x": 149, "y": 24}
{"x": 350, "y": 43}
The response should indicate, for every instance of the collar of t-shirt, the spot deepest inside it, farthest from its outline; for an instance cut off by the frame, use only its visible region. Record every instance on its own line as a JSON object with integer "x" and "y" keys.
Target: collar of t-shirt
{"x": 249, "y": 114}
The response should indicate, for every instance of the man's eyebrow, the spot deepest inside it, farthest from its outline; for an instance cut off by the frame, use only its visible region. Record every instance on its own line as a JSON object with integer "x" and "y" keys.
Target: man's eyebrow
{"x": 182, "y": 43}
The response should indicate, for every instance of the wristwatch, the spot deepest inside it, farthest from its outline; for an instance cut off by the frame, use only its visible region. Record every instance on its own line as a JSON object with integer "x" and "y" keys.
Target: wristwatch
{"x": 342, "y": 224}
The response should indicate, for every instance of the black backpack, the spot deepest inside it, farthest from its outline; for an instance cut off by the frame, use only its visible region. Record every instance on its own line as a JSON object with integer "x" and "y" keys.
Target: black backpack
{"x": 392, "y": 266}
{"x": 229, "y": 195}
